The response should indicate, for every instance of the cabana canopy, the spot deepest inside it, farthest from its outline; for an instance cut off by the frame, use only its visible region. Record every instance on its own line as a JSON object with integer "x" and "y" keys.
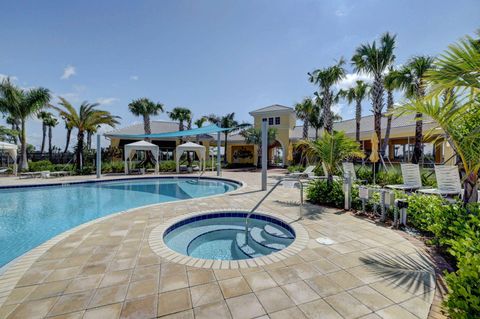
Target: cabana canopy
{"x": 191, "y": 147}
{"x": 131, "y": 148}
{"x": 11, "y": 149}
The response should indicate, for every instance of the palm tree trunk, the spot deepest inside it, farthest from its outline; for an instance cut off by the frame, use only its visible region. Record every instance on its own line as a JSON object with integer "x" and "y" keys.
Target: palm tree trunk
{"x": 89, "y": 140}
{"x": 328, "y": 112}
{"x": 389, "y": 122}
{"x": 377, "y": 101}
{"x": 358, "y": 118}
{"x": 23, "y": 147}
{"x": 50, "y": 143}
{"x": 79, "y": 154}
{"x": 470, "y": 188}
{"x": 417, "y": 149}
{"x": 69, "y": 132}
{"x": 305, "y": 129}
{"x": 44, "y": 133}
{"x": 14, "y": 128}
{"x": 225, "y": 148}
{"x": 146, "y": 125}
{"x": 316, "y": 133}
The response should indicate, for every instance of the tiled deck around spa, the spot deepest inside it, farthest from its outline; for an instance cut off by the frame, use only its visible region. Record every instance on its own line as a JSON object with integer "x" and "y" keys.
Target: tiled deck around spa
{"x": 107, "y": 269}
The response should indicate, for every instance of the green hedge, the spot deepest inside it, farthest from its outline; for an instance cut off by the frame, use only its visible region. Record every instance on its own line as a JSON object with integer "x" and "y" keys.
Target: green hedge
{"x": 319, "y": 192}
{"x": 46, "y": 165}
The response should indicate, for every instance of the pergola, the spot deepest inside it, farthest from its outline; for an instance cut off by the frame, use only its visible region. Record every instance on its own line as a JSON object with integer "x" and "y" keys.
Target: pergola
{"x": 11, "y": 149}
{"x": 131, "y": 148}
{"x": 200, "y": 150}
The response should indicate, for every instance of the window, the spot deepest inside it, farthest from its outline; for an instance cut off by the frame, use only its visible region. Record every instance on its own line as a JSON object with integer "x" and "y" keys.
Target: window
{"x": 264, "y": 119}
{"x": 277, "y": 120}
{"x": 270, "y": 121}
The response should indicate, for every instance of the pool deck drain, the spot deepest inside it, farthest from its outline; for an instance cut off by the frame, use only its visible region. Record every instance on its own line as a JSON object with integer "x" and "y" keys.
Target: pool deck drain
{"x": 109, "y": 268}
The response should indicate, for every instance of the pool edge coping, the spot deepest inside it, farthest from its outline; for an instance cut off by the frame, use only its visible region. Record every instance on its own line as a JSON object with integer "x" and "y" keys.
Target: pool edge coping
{"x": 16, "y": 268}
{"x": 157, "y": 244}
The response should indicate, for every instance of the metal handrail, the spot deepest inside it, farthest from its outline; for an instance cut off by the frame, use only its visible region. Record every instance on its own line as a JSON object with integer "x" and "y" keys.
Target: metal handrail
{"x": 267, "y": 194}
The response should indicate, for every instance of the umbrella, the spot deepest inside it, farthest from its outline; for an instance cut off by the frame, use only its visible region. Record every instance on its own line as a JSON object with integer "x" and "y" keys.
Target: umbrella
{"x": 374, "y": 155}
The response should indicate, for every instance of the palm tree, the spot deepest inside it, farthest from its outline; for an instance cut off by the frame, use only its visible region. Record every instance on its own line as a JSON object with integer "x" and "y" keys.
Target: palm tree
{"x": 331, "y": 149}
{"x": 15, "y": 126}
{"x": 411, "y": 79}
{"x": 254, "y": 136}
{"x": 146, "y": 108}
{"x": 50, "y": 122}
{"x": 7, "y": 134}
{"x": 390, "y": 85}
{"x": 199, "y": 123}
{"x": 226, "y": 121}
{"x": 182, "y": 115}
{"x": 83, "y": 120}
{"x": 375, "y": 60}
{"x": 44, "y": 117}
{"x": 357, "y": 94}
{"x": 326, "y": 78}
{"x": 304, "y": 110}
{"x": 68, "y": 127}
{"x": 22, "y": 104}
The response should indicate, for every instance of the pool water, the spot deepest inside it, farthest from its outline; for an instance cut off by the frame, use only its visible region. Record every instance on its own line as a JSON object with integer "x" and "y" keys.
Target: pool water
{"x": 221, "y": 236}
{"x": 30, "y": 216}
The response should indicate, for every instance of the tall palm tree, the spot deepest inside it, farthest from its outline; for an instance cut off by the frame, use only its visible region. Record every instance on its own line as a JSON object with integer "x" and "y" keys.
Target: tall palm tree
{"x": 50, "y": 122}
{"x": 226, "y": 121}
{"x": 84, "y": 119}
{"x": 357, "y": 94}
{"x": 68, "y": 127}
{"x": 303, "y": 111}
{"x": 326, "y": 78}
{"x": 331, "y": 149}
{"x": 199, "y": 123}
{"x": 15, "y": 126}
{"x": 390, "y": 85}
{"x": 254, "y": 136}
{"x": 375, "y": 61}
{"x": 22, "y": 104}
{"x": 411, "y": 79}
{"x": 182, "y": 115}
{"x": 45, "y": 118}
{"x": 145, "y": 108}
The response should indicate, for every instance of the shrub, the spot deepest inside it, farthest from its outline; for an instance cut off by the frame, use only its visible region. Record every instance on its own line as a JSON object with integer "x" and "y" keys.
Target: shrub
{"x": 113, "y": 167}
{"x": 38, "y": 166}
{"x": 168, "y": 166}
{"x": 319, "y": 192}
{"x": 423, "y": 210}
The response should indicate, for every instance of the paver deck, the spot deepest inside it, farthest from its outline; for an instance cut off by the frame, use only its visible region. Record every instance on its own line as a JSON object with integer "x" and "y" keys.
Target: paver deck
{"x": 107, "y": 269}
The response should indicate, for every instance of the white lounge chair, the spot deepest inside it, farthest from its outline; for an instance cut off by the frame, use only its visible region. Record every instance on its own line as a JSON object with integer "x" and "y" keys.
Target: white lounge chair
{"x": 412, "y": 180}
{"x": 448, "y": 181}
{"x": 306, "y": 173}
{"x": 350, "y": 168}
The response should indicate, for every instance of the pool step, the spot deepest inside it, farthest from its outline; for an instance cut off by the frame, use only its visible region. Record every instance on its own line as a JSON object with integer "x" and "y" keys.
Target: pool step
{"x": 257, "y": 234}
{"x": 273, "y": 231}
{"x": 252, "y": 249}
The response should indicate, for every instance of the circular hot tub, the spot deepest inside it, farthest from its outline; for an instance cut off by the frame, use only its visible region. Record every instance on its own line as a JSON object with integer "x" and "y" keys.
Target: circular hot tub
{"x": 222, "y": 236}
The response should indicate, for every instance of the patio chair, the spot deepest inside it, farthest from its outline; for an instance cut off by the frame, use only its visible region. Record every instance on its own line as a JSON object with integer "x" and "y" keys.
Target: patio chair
{"x": 448, "y": 182}
{"x": 412, "y": 179}
{"x": 350, "y": 168}
{"x": 305, "y": 173}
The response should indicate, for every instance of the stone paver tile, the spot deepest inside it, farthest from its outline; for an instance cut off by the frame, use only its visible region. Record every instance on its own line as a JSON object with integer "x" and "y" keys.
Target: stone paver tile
{"x": 71, "y": 315}
{"x": 187, "y": 314}
{"x": 300, "y": 292}
{"x": 212, "y": 310}
{"x": 395, "y": 312}
{"x": 200, "y": 276}
{"x": 142, "y": 288}
{"x": 71, "y": 303}
{"x": 93, "y": 269}
{"x": 324, "y": 266}
{"x": 260, "y": 280}
{"x": 205, "y": 294}
{"x": 32, "y": 277}
{"x": 395, "y": 293}
{"x": 49, "y": 289}
{"x": 108, "y": 295}
{"x": 417, "y": 306}
{"x": 173, "y": 282}
{"x": 222, "y": 274}
{"x": 19, "y": 294}
{"x": 345, "y": 279}
{"x": 319, "y": 309}
{"x": 33, "y": 309}
{"x": 121, "y": 264}
{"x": 274, "y": 299}
{"x": 140, "y": 308}
{"x": 293, "y": 260}
{"x": 285, "y": 275}
{"x": 370, "y": 297}
{"x": 83, "y": 283}
{"x": 5, "y": 310}
{"x": 306, "y": 271}
{"x": 309, "y": 255}
{"x": 288, "y": 314}
{"x": 245, "y": 307}
{"x": 325, "y": 251}
{"x": 62, "y": 274}
{"x": 173, "y": 301}
{"x": 234, "y": 287}
{"x": 147, "y": 272}
{"x": 116, "y": 278}
{"x": 110, "y": 311}
{"x": 324, "y": 286}
{"x": 347, "y": 306}
{"x": 365, "y": 273}
{"x": 371, "y": 316}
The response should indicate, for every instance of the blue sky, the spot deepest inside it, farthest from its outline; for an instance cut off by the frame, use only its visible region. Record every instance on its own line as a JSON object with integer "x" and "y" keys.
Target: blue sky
{"x": 213, "y": 56}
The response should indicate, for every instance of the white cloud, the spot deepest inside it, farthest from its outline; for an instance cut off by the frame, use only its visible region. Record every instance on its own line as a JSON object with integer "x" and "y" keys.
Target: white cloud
{"x": 4, "y": 77}
{"x": 351, "y": 79}
{"x": 68, "y": 72}
{"x": 106, "y": 100}
{"x": 134, "y": 77}
{"x": 343, "y": 11}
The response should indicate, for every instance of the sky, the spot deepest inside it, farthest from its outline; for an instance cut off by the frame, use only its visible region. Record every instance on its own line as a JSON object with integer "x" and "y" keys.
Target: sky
{"x": 212, "y": 56}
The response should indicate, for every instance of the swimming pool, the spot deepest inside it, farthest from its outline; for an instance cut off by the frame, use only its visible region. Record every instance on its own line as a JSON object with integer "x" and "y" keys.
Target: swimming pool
{"x": 30, "y": 216}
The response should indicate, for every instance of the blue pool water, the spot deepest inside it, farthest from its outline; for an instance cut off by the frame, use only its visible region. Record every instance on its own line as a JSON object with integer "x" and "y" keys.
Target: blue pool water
{"x": 221, "y": 236}
{"x": 30, "y": 216}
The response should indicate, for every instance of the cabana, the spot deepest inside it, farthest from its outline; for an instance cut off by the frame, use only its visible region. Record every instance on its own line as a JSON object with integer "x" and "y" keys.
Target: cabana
{"x": 11, "y": 149}
{"x": 191, "y": 147}
{"x": 131, "y": 148}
